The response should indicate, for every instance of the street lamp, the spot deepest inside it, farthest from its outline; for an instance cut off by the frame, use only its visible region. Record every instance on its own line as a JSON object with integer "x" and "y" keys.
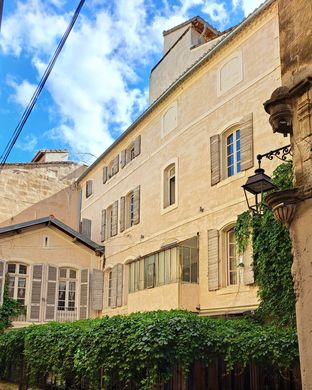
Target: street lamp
{"x": 260, "y": 183}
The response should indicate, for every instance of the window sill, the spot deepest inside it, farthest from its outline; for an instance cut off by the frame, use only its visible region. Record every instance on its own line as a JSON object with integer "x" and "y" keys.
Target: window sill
{"x": 230, "y": 179}
{"x": 236, "y": 288}
{"x": 168, "y": 209}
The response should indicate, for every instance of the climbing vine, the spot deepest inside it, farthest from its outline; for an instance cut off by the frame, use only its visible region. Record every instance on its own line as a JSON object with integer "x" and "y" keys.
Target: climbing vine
{"x": 272, "y": 258}
{"x": 9, "y": 309}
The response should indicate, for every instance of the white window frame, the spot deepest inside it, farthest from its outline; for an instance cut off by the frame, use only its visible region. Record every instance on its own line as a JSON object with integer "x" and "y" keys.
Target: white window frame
{"x": 16, "y": 275}
{"x": 109, "y": 221}
{"x": 230, "y": 270}
{"x": 233, "y": 131}
{"x": 165, "y": 182}
{"x": 129, "y": 210}
{"x": 67, "y": 279}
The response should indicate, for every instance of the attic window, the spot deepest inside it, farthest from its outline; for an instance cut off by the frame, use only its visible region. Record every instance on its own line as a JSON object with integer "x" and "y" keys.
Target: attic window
{"x": 46, "y": 241}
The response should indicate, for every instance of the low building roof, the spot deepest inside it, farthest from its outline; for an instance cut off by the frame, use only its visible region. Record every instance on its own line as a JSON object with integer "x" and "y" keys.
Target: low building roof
{"x": 51, "y": 221}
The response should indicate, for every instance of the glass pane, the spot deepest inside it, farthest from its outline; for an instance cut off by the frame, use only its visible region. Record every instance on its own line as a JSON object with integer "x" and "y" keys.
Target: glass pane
{"x": 172, "y": 191}
{"x": 167, "y": 266}
{"x": 72, "y": 286}
{"x": 173, "y": 257}
{"x": 21, "y": 293}
{"x": 61, "y": 305}
{"x": 71, "y": 296}
{"x": 194, "y": 272}
{"x": 230, "y": 139}
{"x": 230, "y": 149}
{"x": 21, "y": 282}
{"x": 231, "y": 171}
{"x": 23, "y": 269}
{"x": 63, "y": 272}
{"x": 72, "y": 274}
{"x": 11, "y": 281}
{"x": 21, "y": 301}
{"x": 11, "y": 268}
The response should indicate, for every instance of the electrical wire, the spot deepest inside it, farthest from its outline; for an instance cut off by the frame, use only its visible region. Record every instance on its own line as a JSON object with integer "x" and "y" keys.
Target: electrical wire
{"x": 39, "y": 88}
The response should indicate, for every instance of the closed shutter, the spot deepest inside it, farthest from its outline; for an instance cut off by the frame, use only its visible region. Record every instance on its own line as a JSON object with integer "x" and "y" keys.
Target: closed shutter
{"x": 136, "y": 194}
{"x": 86, "y": 227}
{"x": 51, "y": 293}
{"x": 103, "y": 225}
{"x": 246, "y": 142}
{"x": 105, "y": 174}
{"x": 213, "y": 259}
{"x": 97, "y": 287}
{"x": 36, "y": 292}
{"x": 88, "y": 188}
{"x": 114, "y": 288}
{"x": 84, "y": 294}
{"x": 119, "y": 284}
{"x": 116, "y": 165}
{"x": 248, "y": 267}
{"x": 123, "y": 158}
{"x": 137, "y": 146}
{"x": 122, "y": 213}
{"x": 2, "y": 278}
{"x": 115, "y": 218}
{"x": 215, "y": 159}
{"x": 128, "y": 154}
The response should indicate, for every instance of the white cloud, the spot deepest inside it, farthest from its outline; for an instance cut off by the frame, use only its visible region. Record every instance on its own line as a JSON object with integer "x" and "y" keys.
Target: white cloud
{"x": 28, "y": 144}
{"x": 248, "y": 6}
{"x": 22, "y": 92}
{"x": 216, "y": 11}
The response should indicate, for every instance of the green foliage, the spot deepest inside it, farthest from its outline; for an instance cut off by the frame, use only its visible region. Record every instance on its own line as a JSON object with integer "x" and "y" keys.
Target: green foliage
{"x": 272, "y": 258}
{"x": 10, "y": 308}
{"x": 142, "y": 348}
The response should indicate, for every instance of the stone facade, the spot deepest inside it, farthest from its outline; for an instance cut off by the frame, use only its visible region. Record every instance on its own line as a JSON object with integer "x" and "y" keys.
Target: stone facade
{"x": 180, "y": 146}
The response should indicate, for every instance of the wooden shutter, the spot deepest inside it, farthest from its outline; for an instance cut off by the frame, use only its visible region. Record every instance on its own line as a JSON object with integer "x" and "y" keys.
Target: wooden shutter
{"x": 88, "y": 188}
{"x": 86, "y": 227}
{"x": 248, "y": 266}
{"x": 213, "y": 259}
{"x": 246, "y": 142}
{"x": 136, "y": 194}
{"x": 36, "y": 292}
{"x": 51, "y": 293}
{"x": 215, "y": 159}
{"x": 114, "y": 287}
{"x": 84, "y": 294}
{"x": 122, "y": 213}
{"x": 115, "y": 218}
{"x": 2, "y": 279}
{"x": 137, "y": 146}
{"x": 119, "y": 285}
{"x": 105, "y": 174}
{"x": 123, "y": 158}
{"x": 116, "y": 164}
{"x": 97, "y": 287}
{"x": 103, "y": 225}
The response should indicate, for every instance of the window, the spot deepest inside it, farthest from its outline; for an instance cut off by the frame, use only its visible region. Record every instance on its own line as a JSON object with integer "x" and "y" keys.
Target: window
{"x": 189, "y": 260}
{"x": 110, "y": 289}
{"x": 130, "y": 209}
{"x": 17, "y": 281}
{"x": 232, "y": 266}
{"x": 88, "y": 188}
{"x": 109, "y": 221}
{"x": 170, "y": 185}
{"x": 233, "y": 160}
{"x": 131, "y": 152}
{"x": 115, "y": 286}
{"x": 67, "y": 290}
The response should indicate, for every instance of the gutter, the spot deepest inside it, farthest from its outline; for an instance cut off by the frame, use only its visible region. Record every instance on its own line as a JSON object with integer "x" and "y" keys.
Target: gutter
{"x": 176, "y": 83}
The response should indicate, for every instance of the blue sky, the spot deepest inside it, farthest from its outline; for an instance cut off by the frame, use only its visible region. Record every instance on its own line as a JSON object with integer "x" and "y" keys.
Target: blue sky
{"x": 99, "y": 84}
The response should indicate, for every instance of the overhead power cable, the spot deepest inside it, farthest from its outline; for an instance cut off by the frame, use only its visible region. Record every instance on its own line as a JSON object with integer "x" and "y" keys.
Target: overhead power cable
{"x": 39, "y": 88}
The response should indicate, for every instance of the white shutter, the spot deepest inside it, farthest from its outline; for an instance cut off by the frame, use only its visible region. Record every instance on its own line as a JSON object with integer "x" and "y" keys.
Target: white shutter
{"x": 137, "y": 146}
{"x": 136, "y": 194}
{"x": 246, "y": 142}
{"x": 122, "y": 213}
{"x": 36, "y": 293}
{"x": 115, "y": 218}
{"x": 114, "y": 287}
{"x": 51, "y": 293}
{"x": 84, "y": 294}
{"x": 2, "y": 279}
{"x": 103, "y": 225}
{"x": 105, "y": 174}
{"x": 213, "y": 259}
{"x": 215, "y": 159}
{"x": 123, "y": 158}
{"x": 97, "y": 287}
{"x": 119, "y": 285}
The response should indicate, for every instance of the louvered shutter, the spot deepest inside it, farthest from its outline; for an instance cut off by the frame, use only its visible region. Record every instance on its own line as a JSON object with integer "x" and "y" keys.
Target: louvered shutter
{"x": 123, "y": 158}
{"x": 122, "y": 213}
{"x": 86, "y": 227}
{"x": 97, "y": 286}
{"x": 246, "y": 142}
{"x": 115, "y": 218}
{"x": 119, "y": 284}
{"x": 114, "y": 287}
{"x": 136, "y": 194}
{"x": 88, "y": 188}
{"x": 116, "y": 164}
{"x": 84, "y": 294}
{"x": 105, "y": 174}
{"x": 51, "y": 293}
{"x": 137, "y": 146}
{"x": 213, "y": 259}
{"x": 36, "y": 292}
{"x": 2, "y": 278}
{"x": 215, "y": 159}
{"x": 103, "y": 225}
{"x": 248, "y": 267}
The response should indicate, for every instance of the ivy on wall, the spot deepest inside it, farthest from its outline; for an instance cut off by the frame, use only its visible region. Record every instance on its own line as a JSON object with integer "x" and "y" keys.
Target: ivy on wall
{"x": 9, "y": 309}
{"x": 141, "y": 348}
{"x": 272, "y": 258}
